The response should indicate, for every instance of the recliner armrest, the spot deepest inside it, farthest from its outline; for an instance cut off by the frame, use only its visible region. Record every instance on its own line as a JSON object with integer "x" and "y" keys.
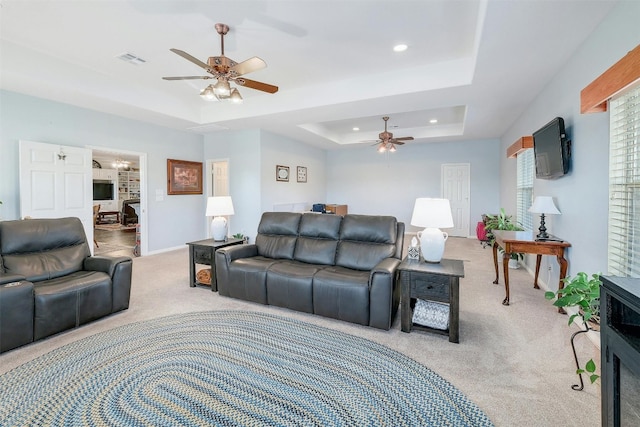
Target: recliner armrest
{"x": 387, "y": 265}
{"x": 9, "y": 278}
{"x": 103, "y": 263}
{"x": 231, "y": 253}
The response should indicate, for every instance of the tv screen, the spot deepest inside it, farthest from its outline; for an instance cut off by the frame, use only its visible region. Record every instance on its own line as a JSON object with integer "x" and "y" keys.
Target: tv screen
{"x": 552, "y": 150}
{"x": 102, "y": 190}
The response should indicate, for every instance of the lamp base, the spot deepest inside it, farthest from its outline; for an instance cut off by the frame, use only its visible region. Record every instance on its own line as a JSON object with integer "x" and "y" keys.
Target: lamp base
{"x": 219, "y": 228}
{"x": 542, "y": 229}
{"x": 432, "y": 244}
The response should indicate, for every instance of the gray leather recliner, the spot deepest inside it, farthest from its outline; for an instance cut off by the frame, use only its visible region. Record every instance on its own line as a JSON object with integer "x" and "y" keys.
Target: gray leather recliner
{"x": 333, "y": 266}
{"x": 49, "y": 282}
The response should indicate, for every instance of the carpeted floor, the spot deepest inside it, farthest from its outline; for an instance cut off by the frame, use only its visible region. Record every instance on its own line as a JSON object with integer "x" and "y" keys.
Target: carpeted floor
{"x": 230, "y": 368}
{"x": 514, "y": 362}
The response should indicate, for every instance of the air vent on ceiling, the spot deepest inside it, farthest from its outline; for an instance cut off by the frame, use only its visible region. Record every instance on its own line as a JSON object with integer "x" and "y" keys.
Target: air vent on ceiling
{"x": 131, "y": 58}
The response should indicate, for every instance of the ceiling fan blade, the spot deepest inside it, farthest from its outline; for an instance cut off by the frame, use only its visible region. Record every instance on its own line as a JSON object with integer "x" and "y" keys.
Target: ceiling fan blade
{"x": 187, "y": 78}
{"x": 257, "y": 85}
{"x": 248, "y": 66}
{"x": 396, "y": 142}
{"x": 190, "y": 58}
{"x": 404, "y": 138}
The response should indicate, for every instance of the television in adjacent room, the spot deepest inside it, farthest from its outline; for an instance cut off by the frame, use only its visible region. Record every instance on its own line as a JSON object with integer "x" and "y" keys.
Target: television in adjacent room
{"x": 552, "y": 150}
{"x": 102, "y": 190}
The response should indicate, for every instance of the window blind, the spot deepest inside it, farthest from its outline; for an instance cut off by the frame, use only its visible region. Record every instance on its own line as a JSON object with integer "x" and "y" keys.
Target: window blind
{"x": 624, "y": 185}
{"x": 524, "y": 184}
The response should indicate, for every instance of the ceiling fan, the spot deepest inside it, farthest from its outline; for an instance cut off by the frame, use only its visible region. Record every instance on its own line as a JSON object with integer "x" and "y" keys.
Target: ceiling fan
{"x": 225, "y": 70}
{"x": 387, "y": 142}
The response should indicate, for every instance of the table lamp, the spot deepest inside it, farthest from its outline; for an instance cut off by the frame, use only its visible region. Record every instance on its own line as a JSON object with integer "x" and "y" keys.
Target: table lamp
{"x": 217, "y": 207}
{"x": 432, "y": 214}
{"x": 544, "y": 206}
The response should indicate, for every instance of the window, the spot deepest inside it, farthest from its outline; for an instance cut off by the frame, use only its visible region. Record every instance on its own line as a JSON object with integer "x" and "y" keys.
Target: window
{"x": 525, "y": 188}
{"x": 624, "y": 185}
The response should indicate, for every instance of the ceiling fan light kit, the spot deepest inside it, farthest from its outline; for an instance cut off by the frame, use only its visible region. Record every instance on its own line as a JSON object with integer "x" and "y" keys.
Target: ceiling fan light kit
{"x": 387, "y": 142}
{"x": 225, "y": 70}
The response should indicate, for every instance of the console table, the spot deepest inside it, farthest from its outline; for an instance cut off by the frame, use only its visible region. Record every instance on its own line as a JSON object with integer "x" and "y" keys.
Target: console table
{"x": 203, "y": 252}
{"x": 525, "y": 242}
{"x": 435, "y": 282}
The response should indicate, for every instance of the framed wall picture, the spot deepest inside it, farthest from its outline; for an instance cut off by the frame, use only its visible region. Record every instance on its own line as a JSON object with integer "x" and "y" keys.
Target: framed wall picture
{"x": 302, "y": 174}
{"x": 282, "y": 173}
{"x": 184, "y": 177}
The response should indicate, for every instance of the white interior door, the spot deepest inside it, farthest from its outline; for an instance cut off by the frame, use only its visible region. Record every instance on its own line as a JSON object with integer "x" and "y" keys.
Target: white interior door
{"x": 220, "y": 178}
{"x": 55, "y": 182}
{"x": 455, "y": 187}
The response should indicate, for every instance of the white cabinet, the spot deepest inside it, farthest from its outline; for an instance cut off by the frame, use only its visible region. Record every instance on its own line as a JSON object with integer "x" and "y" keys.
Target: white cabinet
{"x": 106, "y": 174}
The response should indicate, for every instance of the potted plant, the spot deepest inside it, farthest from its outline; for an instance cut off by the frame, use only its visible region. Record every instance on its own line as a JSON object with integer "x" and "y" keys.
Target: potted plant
{"x": 582, "y": 292}
{"x": 502, "y": 221}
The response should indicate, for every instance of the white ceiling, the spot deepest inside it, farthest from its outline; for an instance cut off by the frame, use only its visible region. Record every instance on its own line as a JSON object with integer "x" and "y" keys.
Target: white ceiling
{"x": 473, "y": 65}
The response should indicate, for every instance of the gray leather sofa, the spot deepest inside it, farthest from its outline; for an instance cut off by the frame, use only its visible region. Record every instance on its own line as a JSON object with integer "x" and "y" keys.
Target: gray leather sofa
{"x": 333, "y": 266}
{"x": 50, "y": 283}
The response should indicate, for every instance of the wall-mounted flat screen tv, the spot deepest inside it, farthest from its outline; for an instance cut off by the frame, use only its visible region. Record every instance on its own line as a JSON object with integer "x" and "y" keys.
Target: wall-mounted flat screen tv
{"x": 102, "y": 190}
{"x": 552, "y": 150}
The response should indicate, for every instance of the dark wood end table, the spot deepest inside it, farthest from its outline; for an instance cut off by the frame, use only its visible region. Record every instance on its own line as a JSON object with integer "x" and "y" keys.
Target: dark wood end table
{"x": 203, "y": 252}
{"x": 434, "y": 282}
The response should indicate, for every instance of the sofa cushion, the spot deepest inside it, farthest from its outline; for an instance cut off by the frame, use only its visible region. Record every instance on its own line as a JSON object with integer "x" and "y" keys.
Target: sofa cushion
{"x": 42, "y": 249}
{"x": 70, "y": 301}
{"x": 289, "y": 284}
{"x": 342, "y": 293}
{"x": 277, "y": 234}
{"x": 318, "y": 239}
{"x": 366, "y": 240}
{"x": 247, "y": 279}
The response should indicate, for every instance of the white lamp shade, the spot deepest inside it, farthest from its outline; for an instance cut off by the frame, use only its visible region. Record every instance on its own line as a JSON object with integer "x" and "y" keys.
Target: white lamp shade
{"x": 432, "y": 214}
{"x": 217, "y": 207}
{"x": 544, "y": 205}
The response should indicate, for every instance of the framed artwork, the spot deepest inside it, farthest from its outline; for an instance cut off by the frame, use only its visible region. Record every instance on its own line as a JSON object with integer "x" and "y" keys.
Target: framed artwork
{"x": 184, "y": 177}
{"x": 282, "y": 173}
{"x": 302, "y": 174}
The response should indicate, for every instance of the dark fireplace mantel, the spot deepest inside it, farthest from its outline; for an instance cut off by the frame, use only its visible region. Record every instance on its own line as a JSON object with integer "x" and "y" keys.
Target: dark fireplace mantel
{"x": 620, "y": 351}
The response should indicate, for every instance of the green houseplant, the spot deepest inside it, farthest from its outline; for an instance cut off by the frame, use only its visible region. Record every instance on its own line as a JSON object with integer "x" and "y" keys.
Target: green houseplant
{"x": 582, "y": 292}
{"x": 502, "y": 221}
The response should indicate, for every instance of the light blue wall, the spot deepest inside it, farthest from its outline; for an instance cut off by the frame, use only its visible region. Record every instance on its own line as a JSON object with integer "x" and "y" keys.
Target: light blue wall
{"x": 388, "y": 184}
{"x": 35, "y": 119}
{"x": 242, "y": 150}
{"x": 582, "y": 195}
{"x": 253, "y": 156}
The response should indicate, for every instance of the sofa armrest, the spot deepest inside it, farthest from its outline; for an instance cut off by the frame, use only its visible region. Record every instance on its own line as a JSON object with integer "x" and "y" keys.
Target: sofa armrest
{"x": 16, "y": 313}
{"x": 10, "y": 278}
{"x": 231, "y": 253}
{"x": 384, "y": 293}
{"x": 119, "y": 269}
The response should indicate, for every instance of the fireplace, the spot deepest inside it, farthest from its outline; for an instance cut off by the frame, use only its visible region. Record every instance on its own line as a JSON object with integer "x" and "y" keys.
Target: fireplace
{"x": 620, "y": 346}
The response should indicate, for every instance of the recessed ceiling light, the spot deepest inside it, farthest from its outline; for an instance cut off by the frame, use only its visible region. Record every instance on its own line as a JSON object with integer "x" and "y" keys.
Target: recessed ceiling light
{"x": 356, "y": 128}
{"x": 400, "y": 48}
{"x": 433, "y": 121}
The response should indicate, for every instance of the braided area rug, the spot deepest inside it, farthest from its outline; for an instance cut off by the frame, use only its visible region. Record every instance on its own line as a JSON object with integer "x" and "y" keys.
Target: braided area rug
{"x": 229, "y": 368}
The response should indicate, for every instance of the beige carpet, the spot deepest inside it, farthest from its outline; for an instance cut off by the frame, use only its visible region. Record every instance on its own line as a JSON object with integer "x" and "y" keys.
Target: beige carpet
{"x": 514, "y": 362}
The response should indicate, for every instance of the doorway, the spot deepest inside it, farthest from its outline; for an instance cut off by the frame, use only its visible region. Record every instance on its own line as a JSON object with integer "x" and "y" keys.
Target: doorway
{"x": 217, "y": 184}
{"x": 455, "y": 187}
{"x": 121, "y": 225}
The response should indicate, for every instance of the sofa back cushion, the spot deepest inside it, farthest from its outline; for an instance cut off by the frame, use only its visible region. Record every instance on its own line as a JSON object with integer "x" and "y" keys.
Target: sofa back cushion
{"x": 42, "y": 249}
{"x": 277, "y": 234}
{"x": 318, "y": 238}
{"x": 365, "y": 240}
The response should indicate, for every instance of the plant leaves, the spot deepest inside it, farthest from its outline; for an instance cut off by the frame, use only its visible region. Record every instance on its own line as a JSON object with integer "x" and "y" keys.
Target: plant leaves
{"x": 590, "y": 366}
{"x": 593, "y": 378}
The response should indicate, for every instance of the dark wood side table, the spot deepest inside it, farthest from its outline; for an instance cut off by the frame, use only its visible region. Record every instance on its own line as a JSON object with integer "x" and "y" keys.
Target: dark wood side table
{"x": 203, "y": 252}
{"x": 434, "y": 282}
